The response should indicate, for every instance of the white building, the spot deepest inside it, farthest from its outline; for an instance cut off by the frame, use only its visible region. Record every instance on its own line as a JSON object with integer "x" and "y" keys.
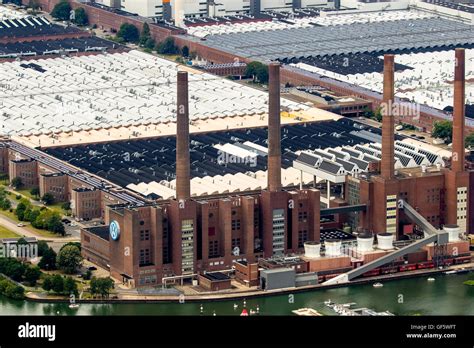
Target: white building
{"x": 201, "y": 8}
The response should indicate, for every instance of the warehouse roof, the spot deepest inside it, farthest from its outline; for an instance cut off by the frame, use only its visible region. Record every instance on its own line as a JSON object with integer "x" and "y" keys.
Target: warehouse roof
{"x": 343, "y": 39}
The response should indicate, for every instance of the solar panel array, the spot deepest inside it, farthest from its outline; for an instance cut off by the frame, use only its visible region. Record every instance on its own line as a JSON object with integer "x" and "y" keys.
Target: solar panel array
{"x": 152, "y": 161}
{"x": 354, "y": 159}
{"x": 427, "y": 81}
{"x": 344, "y": 39}
{"x": 113, "y": 90}
{"x": 292, "y": 22}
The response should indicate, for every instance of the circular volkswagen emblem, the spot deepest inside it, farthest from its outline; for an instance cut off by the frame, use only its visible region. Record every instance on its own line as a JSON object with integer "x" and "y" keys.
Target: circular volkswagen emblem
{"x": 114, "y": 230}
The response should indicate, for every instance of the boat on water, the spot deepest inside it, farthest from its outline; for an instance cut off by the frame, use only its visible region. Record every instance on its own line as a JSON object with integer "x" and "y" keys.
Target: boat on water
{"x": 431, "y": 279}
{"x": 377, "y": 285}
{"x": 73, "y": 305}
{"x": 307, "y": 312}
{"x": 329, "y": 303}
{"x": 458, "y": 271}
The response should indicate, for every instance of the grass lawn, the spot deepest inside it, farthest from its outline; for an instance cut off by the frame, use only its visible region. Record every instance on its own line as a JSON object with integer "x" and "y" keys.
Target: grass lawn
{"x": 6, "y": 233}
{"x": 28, "y": 227}
{"x": 58, "y": 208}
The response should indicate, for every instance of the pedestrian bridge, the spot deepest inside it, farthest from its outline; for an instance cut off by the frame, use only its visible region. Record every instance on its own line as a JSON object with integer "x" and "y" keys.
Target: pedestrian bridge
{"x": 432, "y": 235}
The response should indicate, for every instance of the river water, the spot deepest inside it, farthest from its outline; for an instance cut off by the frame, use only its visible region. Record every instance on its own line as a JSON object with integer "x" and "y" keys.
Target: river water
{"x": 447, "y": 295}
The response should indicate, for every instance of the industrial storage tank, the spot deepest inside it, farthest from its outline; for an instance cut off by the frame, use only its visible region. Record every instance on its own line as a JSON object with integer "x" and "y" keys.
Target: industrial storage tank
{"x": 312, "y": 249}
{"x": 385, "y": 241}
{"x": 365, "y": 242}
{"x": 453, "y": 231}
{"x": 333, "y": 247}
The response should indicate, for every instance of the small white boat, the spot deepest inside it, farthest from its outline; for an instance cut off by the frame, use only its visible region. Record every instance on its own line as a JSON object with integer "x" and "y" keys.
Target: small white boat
{"x": 450, "y": 272}
{"x": 377, "y": 285}
{"x": 73, "y": 305}
{"x": 307, "y": 312}
{"x": 236, "y": 306}
{"x": 431, "y": 279}
{"x": 329, "y": 303}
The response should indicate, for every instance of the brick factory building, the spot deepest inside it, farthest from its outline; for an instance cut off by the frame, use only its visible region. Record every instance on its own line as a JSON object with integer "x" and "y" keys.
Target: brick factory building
{"x": 183, "y": 237}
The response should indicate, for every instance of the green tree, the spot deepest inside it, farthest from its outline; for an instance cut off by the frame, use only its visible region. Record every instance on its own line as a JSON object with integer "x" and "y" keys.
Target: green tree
{"x": 128, "y": 32}
{"x": 57, "y": 284}
{"x": 87, "y": 275}
{"x": 32, "y": 214}
{"x": 262, "y": 74}
{"x": 17, "y": 182}
{"x": 101, "y": 286}
{"x": 470, "y": 140}
{"x": 167, "y": 47}
{"x": 5, "y": 203}
{"x": 32, "y": 274}
{"x": 54, "y": 224}
{"x": 185, "y": 51}
{"x": 62, "y": 11}
{"x": 70, "y": 286}
{"x": 145, "y": 37}
{"x": 48, "y": 198}
{"x": 69, "y": 259}
{"x": 14, "y": 291}
{"x": 48, "y": 260}
{"x": 15, "y": 270}
{"x": 21, "y": 208}
{"x": 47, "y": 283}
{"x": 80, "y": 16}
{"x": 252, "y": 68}
{"x": 66, "y": 206}
{"x": 258, "y": 71}
{"x": 35, "y": 192}
{"x": 443, "y": 130}
{"x": 42, "y": 248}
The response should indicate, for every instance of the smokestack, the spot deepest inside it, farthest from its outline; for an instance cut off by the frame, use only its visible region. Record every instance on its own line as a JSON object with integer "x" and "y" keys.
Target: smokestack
{"x": 388, "y": 122}
{"x": 458, "y": 112}
{"x": 183, "y": 186}
{"x": 274, "y": 129}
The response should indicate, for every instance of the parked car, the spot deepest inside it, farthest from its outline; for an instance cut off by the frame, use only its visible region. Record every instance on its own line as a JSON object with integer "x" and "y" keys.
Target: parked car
{"x": 21, "y": 225}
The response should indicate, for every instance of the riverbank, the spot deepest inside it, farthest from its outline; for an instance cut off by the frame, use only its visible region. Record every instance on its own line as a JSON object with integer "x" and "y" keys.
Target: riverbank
{"x": 413, "y": 296}
{"x": 212, "y": 297}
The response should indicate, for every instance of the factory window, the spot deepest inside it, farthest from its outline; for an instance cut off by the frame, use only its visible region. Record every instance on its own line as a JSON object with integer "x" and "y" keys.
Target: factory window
{"x": 302, "y": 216}
{"x": 142, "y": 223}
{"x": 211, "y": 215}
{"x": 145, "y": 257}
{"x": 213, "y": 248}
{"x": 144, "y": 235}
{"x": 235, "y": 225}
{"x": 235, "y": 242}
{"x": 302, "y": 237}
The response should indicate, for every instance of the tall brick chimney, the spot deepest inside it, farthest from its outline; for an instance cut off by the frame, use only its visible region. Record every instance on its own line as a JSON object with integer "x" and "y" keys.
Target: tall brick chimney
{"x": 274, "y": 129}
{"x": 183, "y": 184}
{"x": 457, "y": 164}
{"x": 388, "y": 121}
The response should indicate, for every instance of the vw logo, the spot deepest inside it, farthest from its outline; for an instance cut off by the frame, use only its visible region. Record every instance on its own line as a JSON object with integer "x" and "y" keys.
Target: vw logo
{"x": 114, "y": 230}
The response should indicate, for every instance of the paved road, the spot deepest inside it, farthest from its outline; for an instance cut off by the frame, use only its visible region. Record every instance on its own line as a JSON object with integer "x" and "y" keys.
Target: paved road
{"x": 22, "y": 231}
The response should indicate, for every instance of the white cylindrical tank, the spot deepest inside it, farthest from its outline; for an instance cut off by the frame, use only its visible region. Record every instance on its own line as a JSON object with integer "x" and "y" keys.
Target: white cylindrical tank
{"x": 365, "y": 242}
{"x": 385, "y": 241}
{"x": 453, "y": 231}
{"x": 312, "y": 249}
{"x": 333, "y": 247}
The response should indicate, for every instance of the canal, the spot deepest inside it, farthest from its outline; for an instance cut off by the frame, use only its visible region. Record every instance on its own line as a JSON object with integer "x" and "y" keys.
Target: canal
{"x": 447, "y": 295}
